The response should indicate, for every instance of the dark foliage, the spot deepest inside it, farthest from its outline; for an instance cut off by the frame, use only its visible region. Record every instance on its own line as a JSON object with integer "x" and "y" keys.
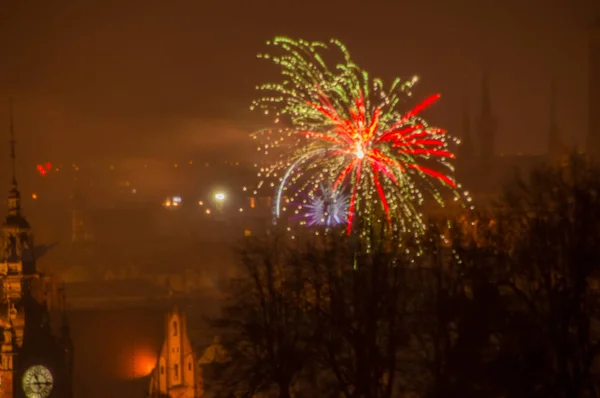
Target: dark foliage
{"x": 503, "y": 304}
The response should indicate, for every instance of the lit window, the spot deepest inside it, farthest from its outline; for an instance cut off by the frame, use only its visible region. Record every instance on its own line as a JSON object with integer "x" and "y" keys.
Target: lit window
{"x": 247, "y": 232}
{"x": 252, "y": 202}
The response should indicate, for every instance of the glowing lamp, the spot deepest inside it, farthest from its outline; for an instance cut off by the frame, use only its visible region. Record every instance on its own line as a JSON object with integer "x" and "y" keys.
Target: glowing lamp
{"x": 359, "y": 153}
{"x": 220, "y": 196}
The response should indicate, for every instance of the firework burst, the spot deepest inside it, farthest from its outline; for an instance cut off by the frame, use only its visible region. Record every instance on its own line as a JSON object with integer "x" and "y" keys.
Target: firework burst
{"x": 327, "y": 207}
{"x": 342, "y": 128}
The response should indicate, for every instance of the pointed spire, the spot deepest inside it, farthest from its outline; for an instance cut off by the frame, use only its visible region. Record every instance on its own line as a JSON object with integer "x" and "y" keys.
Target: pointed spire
{"x": 486, "y": 101}
{"x": 12, "y": 142}
{"x": 14, "y": 196}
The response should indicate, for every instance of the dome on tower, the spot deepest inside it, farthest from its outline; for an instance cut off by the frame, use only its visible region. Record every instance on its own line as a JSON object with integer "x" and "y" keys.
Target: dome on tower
{"x": 16, "y": 221}
{"x": 14, "y": 218}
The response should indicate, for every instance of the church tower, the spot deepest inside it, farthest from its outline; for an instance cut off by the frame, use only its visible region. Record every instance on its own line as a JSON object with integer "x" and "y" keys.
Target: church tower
{"x": 18, "y": 260}
{"x": 15, "y": 242}
{"x": 593, "y": 138}
{"x": 177, "y": 373}
{"x": 486, "y": 124}
{"x": 33, "y": 363}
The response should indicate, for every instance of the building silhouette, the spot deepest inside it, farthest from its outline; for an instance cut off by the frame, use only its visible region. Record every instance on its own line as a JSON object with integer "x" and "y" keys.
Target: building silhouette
{"x": 36, "y": 353}
{"x": 480, "y": 168}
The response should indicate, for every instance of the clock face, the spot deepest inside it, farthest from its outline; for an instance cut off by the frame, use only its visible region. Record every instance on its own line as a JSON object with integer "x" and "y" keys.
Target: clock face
{"x": 37, "y": 382}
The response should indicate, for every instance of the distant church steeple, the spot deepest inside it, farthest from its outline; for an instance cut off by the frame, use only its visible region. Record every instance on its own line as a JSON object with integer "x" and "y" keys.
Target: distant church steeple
{"x": 15, "y": 235}
{"x": 14, "y": 196}
{"x": 486, "y": 123}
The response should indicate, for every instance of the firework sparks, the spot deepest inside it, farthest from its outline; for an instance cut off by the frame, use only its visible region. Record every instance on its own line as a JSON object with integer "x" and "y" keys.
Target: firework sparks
{"x": 327, "y": 207}
{"x": 343, "y": 128}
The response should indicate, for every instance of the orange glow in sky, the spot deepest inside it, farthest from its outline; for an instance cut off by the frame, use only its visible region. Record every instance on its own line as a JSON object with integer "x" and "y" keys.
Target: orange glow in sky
{"x": 137, "y": 363}
{"x": 145, "y": 361}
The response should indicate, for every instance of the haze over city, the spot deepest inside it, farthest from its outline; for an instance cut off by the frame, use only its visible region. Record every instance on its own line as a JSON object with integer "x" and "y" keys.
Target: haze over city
{"x": 147, "y": 233}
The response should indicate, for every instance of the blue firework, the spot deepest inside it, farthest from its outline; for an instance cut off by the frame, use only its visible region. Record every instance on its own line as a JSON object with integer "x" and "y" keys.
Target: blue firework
{"x": 327, "y": 207}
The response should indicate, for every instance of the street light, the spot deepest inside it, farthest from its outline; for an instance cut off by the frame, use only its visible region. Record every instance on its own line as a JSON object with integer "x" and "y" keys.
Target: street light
{"x": 220, "y": 198}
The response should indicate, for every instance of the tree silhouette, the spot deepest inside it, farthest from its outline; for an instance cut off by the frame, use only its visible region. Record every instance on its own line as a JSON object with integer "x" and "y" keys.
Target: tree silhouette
{"x": 497, "y": 304}
{"x": 263, "y": 324}
{"x": 552, "y": 221}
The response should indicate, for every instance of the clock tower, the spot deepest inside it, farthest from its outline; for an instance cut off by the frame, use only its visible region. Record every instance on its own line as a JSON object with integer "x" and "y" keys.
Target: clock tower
{"x": 35, "y": 361}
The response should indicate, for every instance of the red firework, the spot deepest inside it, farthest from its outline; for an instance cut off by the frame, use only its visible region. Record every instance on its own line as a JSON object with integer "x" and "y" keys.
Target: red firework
{"x": 379, "y": 150}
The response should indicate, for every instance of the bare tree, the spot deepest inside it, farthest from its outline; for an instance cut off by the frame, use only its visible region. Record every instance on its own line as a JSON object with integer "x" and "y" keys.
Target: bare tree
{"x": 360, "y": 312}
{"x": 263, "y": 324}
{"x": 552, "y": 221}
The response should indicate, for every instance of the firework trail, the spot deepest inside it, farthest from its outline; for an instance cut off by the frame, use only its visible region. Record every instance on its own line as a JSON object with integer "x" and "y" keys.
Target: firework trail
{"x": 341, "y": 128}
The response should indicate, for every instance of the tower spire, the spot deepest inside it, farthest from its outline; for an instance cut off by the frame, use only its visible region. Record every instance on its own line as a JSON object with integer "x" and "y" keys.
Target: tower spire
{"x": 14, "y": 197}
{"x": 13, "y": 143}
{"x": 467, "y": 147}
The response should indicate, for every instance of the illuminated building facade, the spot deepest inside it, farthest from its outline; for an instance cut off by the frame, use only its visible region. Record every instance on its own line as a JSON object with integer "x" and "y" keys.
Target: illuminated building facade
{"x": 177, "y": 373}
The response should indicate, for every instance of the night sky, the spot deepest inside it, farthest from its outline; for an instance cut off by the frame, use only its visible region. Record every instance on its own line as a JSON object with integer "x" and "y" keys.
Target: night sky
{"x": 165, "y": 79}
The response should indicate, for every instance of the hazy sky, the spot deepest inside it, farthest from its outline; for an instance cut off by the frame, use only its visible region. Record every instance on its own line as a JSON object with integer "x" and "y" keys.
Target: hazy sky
{"x": 157, "y": 78}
